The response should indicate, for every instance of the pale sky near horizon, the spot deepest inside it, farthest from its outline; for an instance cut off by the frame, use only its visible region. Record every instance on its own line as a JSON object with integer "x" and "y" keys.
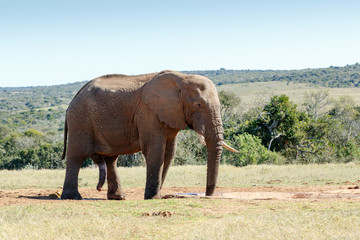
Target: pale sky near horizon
{"x": 57, "y": 42}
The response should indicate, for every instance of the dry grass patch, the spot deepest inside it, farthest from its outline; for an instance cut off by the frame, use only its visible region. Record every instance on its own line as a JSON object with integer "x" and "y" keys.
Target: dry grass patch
{"x": 251, "y": 93}
{"x": 190, "y": 219}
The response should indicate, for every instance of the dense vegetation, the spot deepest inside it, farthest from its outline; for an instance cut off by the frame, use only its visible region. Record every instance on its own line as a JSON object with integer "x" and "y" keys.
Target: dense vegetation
{"x": 277, "y": 131}
{"x": 338, "y": 77}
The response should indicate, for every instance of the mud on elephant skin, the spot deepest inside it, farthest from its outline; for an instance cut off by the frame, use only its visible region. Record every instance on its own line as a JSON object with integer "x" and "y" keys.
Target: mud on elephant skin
{"x": 118, "y": 114}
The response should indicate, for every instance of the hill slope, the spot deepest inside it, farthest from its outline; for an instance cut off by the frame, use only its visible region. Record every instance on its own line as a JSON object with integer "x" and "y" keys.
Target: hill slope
{"x": 43, "y": 108}
{"x": 334, "y": 77}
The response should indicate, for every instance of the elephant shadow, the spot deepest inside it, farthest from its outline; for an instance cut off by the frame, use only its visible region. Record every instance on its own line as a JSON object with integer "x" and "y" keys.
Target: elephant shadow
{"x": 55, "y": 197}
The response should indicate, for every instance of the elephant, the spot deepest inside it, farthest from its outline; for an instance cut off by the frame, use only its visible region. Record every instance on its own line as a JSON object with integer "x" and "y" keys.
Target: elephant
{"x": 118, "y": 114}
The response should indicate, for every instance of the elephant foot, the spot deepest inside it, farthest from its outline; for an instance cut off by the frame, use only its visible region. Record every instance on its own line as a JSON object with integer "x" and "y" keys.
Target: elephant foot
{"x": 152, "y": 196}
{"x": 71, "y": 195}
{"x": 115, "y": 196}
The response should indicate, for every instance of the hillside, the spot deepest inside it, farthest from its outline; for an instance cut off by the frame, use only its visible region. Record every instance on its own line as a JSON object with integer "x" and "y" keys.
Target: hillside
{"x": 43, "y": 108}
{"x": 27, "y": 98}
{"x": 255, "y": 92}
{"x": 334, "y": 77}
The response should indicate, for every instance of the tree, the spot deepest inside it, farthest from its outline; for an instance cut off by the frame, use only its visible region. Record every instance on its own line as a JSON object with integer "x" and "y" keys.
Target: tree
{"x": 278, "y": 121}
{"x": 229, "y": 103}
{"x": 330, "y": 137}
{"x": 316, "y": 101}
{"x": 345, "y": 135}
{"x": 348, "y": 115}
{"x": 3, "y": 132}
{"x": 312, "y": 145}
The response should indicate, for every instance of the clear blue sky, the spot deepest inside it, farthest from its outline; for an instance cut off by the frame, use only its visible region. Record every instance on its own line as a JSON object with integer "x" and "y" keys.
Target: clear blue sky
{"x": 54, "y": 42}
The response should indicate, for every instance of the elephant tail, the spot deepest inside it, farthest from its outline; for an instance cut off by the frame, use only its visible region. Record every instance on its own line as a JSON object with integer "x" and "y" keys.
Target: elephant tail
{"x": 65, "y": 139}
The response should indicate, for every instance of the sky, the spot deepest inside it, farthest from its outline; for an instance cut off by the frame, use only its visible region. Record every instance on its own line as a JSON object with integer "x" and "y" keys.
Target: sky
{"x": 57, "y": 42}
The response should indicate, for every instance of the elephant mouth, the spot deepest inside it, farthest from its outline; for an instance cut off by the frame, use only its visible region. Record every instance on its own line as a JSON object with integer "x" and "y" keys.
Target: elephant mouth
{"x": 224, "y": 145}
{"x": 202, "y": 140}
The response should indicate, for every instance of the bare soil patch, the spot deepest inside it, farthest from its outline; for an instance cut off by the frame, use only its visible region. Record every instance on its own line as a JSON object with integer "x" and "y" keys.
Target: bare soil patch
{"x": 289, "y": 193}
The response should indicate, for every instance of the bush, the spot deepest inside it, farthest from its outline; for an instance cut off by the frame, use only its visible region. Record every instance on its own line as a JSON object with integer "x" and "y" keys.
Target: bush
{"x": 30, "y": 149}
{"x": 131, "y": 160}
{"x": 350, "y": 152}
{"x": 251, "y": 151}
{"x": 189, "y": 149}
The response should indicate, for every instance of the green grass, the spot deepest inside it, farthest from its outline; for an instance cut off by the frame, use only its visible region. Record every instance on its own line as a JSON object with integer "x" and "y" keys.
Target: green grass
{"x": 194, "y": 176}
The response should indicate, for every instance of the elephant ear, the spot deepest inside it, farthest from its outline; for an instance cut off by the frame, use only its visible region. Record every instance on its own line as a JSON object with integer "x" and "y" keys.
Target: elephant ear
{"x": 162, "y": 95}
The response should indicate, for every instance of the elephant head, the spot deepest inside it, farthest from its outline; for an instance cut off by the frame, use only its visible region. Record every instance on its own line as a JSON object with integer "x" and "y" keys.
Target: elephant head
{"x": 181, "y": 100}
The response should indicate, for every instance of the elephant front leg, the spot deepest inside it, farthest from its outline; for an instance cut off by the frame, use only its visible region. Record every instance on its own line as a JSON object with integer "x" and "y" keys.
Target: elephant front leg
{"x": 115, "y": 191}
{"x": 153, "y": 182}
{"x": 154, "y": 168}
{"x": 152, "y": 135}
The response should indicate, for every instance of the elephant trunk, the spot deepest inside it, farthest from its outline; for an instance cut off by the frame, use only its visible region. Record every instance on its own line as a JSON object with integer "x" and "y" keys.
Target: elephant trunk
{"x": 214, "y": 143}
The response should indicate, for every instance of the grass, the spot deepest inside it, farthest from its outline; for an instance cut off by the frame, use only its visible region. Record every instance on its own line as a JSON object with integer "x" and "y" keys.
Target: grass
{"x": 194, "y": 176}
{"x": 253, "y": 93}
{"x": 190, "y": 218}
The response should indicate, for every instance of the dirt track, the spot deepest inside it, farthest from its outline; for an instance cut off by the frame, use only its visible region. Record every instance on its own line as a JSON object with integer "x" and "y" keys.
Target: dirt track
{"x": 33, "y": 196}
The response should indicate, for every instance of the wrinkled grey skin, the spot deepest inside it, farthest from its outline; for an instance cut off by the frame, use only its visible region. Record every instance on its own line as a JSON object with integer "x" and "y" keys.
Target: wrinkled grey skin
{"x": 118, "y": 114}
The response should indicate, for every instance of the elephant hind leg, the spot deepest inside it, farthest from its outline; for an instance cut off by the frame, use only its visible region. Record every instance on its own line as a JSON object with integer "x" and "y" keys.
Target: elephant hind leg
{"x": 70, "y": 188}
{"x": 115, "y": 191}
{"x": 78, "y": 152}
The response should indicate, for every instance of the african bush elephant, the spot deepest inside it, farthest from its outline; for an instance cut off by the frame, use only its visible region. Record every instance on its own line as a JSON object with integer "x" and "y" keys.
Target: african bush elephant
{"x": 118, "y": 114}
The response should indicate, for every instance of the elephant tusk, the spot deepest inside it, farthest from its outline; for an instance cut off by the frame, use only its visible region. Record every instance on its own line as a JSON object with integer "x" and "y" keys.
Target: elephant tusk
{"x": 231, "y": 149}
{"x": 202, "y": 139}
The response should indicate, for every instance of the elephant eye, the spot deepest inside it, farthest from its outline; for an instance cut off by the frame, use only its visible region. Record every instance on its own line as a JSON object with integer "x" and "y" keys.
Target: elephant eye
{"x": 197, "y": 105}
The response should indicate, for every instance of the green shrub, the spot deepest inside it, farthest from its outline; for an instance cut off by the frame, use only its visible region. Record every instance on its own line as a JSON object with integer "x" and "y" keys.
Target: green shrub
{"x": 189, "y": 150}
{"x": 350, "y": 152}
{"x": 33, "y": 133}
{"x": 131, "y": 160}
{"x": 251, "y": 151}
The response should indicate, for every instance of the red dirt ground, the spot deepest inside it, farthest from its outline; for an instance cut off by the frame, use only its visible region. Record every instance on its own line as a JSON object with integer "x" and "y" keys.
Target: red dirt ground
{"x": 292, "y": 193}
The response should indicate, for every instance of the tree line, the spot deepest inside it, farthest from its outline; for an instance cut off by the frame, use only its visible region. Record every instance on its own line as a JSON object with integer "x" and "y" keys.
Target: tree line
{"x": 333, "y": 77}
